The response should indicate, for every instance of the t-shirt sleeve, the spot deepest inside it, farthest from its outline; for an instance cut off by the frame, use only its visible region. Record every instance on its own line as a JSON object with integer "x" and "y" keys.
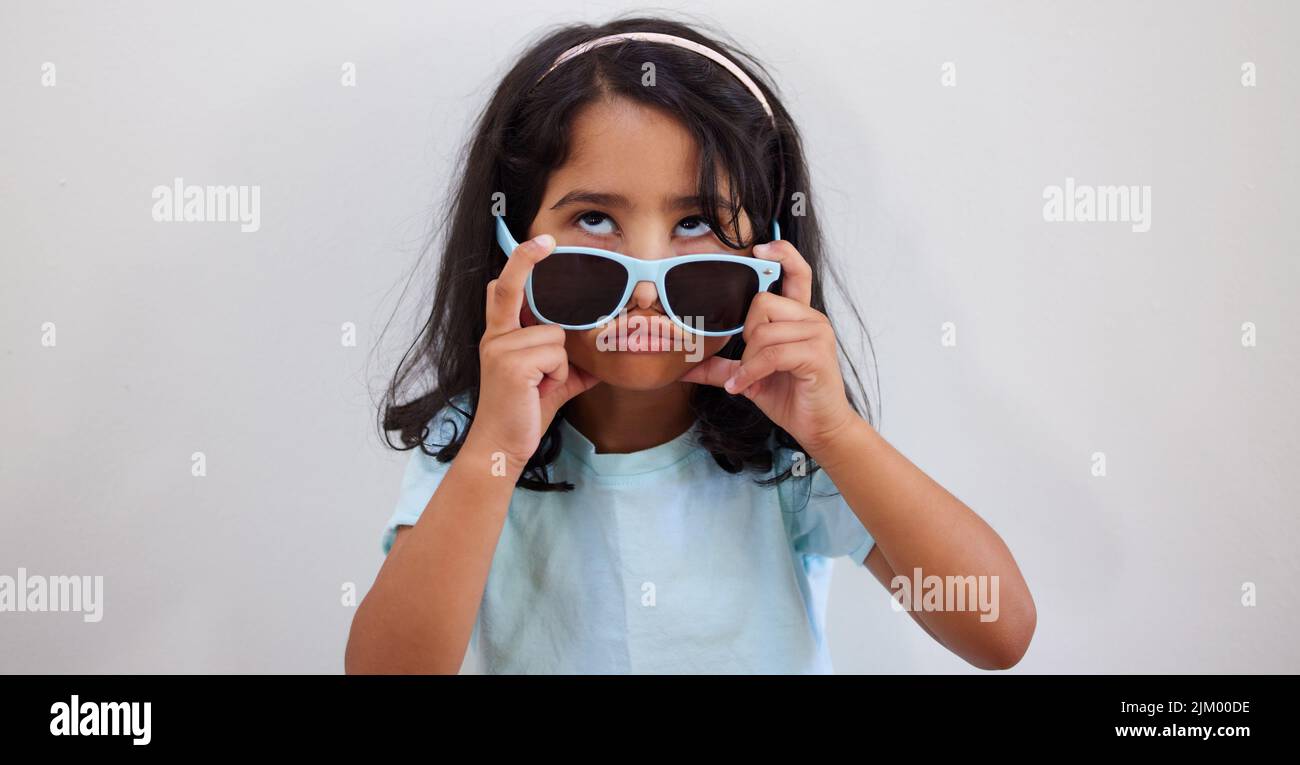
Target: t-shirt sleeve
{"x": 423, "y": 473}
{"x": 820, "y": 521}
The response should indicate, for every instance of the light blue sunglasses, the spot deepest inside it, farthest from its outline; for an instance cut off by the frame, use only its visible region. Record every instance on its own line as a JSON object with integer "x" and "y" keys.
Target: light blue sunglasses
{"x": 583, "y": 287}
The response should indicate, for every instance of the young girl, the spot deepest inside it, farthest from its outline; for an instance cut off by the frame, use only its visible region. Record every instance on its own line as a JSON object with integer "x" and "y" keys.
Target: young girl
{"x": 627, "y": 469}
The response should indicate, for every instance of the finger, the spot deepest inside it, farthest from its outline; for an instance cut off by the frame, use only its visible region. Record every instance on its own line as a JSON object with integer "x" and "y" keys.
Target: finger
{"x": 796, "y": 358}
{"x": 796, "y": 274}
{"x": 527, "y": 337}
{"x": 768, "y": 307}
{"x": 578, "y": 381}
{"x": 506, "y": 292}
{"x": 712, "y": 371}
{"x": 538, "y": 362}
{"x": 555, "y": 378}
{"x": 778, "y": 332}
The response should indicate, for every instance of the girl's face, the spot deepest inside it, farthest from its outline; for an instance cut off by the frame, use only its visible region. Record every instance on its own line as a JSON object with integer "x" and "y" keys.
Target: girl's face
{"x": 629, "y": 186}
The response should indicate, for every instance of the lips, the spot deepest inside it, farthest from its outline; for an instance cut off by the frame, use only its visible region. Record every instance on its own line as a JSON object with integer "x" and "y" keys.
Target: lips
{"x": 642, "y": 333}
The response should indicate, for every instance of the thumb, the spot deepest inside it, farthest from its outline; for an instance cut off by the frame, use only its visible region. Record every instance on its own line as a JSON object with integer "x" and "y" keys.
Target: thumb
{"x": 712, "y": 371}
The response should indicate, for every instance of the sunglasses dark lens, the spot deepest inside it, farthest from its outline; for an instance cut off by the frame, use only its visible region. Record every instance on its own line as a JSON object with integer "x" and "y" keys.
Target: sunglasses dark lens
{"x": 573, "y": 288}
{"x": 713, "y": 295}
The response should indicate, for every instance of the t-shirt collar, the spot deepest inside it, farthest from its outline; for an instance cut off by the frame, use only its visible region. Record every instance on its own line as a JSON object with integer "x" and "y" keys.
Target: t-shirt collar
{"x": 628, "y": 463}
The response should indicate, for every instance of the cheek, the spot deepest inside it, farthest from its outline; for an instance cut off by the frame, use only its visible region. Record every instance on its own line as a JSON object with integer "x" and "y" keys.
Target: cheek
{"x": 714, "y": 344}
{"x": 581, "y": 347}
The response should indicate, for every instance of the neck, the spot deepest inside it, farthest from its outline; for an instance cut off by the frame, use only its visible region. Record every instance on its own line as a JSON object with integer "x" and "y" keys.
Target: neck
{"x": 619, "y": 420}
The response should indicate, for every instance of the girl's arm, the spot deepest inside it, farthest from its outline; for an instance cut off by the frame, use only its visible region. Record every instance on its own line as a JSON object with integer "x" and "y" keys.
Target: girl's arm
{"x": 419, "y": 615}
{"x": 790, "y": 370}
{"x": 917, "y": 524}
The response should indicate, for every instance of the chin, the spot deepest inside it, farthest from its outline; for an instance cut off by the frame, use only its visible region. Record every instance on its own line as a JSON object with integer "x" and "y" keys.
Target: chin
{"x": 639, "y": 371}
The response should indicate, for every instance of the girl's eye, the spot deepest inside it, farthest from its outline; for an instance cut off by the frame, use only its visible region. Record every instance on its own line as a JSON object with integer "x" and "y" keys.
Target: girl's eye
{"x": 697, "y": 227}
{"x": 600, "y": 223}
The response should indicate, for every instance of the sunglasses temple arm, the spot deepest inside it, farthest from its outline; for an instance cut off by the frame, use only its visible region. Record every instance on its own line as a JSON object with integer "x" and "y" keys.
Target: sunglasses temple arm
{"x": 504, "y": 238}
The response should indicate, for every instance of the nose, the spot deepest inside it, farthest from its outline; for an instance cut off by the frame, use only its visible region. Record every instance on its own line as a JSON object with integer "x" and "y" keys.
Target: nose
{"x": 645, "y": 295}
{"x": 649, "y": 245}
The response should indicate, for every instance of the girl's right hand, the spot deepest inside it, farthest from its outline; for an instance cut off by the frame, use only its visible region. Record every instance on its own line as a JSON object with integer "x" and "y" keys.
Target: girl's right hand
{"x": 525, "y": 374}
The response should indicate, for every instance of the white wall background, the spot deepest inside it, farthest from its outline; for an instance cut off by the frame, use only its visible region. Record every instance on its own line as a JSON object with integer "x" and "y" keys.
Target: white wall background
{"x": 1073, "y": 338}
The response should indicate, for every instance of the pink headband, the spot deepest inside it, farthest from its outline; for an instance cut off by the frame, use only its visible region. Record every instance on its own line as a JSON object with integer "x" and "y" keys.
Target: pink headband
{"x": 667, "y": 39}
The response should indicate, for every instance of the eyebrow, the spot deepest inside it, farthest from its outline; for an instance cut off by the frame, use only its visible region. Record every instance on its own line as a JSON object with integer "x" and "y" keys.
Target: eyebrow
{"x": 618, "y": 201}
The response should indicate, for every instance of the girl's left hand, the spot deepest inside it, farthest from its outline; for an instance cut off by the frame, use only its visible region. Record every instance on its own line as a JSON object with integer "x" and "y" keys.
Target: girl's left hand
{"x": 790, "y": 368}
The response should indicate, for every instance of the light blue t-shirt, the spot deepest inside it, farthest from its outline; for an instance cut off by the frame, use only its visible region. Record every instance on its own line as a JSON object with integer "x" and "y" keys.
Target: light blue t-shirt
{"x": 658, "y": 561}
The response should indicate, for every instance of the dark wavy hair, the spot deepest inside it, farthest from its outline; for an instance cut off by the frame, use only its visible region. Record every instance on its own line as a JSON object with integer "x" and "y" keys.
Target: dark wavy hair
{"x": 522, "y": 134}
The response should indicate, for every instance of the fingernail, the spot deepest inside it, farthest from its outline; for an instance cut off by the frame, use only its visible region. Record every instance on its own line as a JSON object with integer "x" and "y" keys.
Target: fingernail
{"x": 545, "y": 240}
{"x": 762, "y": 248}
{"x": 730, "y": 383}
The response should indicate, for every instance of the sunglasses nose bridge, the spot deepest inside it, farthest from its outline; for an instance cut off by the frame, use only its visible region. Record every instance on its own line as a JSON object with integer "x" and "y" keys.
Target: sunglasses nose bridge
{"x": 643, "y": 271}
